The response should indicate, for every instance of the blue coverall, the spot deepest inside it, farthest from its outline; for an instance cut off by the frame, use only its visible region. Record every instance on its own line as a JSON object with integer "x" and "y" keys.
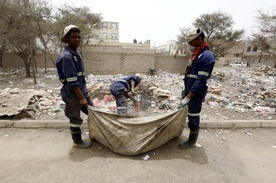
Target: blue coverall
{"x": 119, "y": 90}
{"x": 70, "y": 69}
{"x": 195, "y": 82}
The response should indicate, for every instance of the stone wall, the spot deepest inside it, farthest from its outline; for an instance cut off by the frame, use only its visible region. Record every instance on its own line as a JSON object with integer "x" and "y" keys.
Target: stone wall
{"x": 101, "y": 59}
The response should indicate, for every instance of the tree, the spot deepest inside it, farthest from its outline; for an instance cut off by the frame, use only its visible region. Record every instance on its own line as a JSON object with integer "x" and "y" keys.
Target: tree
{"x": 219, "y": 32}
{"x": 30, "y": 26}
{"x": 20, "y": 37}
{"x": 5, "y": 22}
{"x": 42, "y": 19}
{"x": 79, "y": 16}
{"x": 265, "y": 36}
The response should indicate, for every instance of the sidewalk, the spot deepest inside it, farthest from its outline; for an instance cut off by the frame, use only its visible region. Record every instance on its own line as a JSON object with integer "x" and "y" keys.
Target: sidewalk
{"x": 63, "y": 124}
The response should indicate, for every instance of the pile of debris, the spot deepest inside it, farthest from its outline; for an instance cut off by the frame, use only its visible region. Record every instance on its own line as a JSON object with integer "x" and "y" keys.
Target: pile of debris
{"x": 231, "y": 92}
{"x": 244, "y": 90}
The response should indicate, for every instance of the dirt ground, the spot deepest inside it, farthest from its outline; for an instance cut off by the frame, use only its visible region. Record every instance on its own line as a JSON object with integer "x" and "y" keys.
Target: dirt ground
{"x": 225, "y": 156}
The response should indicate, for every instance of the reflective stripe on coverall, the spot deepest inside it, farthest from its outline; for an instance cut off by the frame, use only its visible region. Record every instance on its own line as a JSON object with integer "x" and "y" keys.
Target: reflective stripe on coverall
{"x": 71, "y": 73}
{"x": 195, "y": 82}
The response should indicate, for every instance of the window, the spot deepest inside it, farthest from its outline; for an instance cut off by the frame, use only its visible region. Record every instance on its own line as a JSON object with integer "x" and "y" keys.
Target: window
{"x": 255, "y": 48}
{"x": 104, "y": 25}
{"x": 96, "y": 37}
{"x": 105, "y": 35}
{"x": 237, "y": 55}
{"x": 248, "y": 49}
{"x": 113, "y": 36}
{"x": 114, "y": 26}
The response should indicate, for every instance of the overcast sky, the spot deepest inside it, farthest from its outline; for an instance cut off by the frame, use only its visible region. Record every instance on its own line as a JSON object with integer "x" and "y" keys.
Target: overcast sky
{"x": 160, "y": 20}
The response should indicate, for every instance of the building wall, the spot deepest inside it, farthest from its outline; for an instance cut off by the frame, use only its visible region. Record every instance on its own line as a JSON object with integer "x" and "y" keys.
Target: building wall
{"x": 253, "y": 55}
{"x": 170, "y": 47}
{"x": 102, "y": 59}
{"x": 248, "y": 53}
{"x": 105, "y": 31}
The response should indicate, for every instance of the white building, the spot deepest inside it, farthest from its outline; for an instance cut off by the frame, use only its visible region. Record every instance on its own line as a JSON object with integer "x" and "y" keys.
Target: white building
{"x": 171, "y": 48}
{"x": 106, "y": 32}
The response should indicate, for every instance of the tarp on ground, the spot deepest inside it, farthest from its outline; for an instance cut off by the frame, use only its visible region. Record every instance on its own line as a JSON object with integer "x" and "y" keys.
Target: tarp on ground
{"x": 13, "y": 104}
{"x": 131, "y": 135}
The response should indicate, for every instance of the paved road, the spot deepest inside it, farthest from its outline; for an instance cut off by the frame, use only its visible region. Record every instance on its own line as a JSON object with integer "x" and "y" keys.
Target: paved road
{"x": 46, "y": 155}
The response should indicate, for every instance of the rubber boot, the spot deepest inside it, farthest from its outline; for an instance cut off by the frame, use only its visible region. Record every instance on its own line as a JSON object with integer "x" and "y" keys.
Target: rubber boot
{"x": 191, "y": 141}
{"x": 77, "y": 141}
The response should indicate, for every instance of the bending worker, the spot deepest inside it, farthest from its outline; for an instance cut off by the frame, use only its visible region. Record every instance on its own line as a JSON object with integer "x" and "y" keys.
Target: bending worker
{"x": 123, "y": 89}
{"x": 198, "y": 71}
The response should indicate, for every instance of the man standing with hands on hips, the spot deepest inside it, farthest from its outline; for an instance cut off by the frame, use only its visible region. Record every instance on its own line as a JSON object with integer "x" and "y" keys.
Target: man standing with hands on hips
{"x": 74, "y": 92}
{"x": 197, "y": 73}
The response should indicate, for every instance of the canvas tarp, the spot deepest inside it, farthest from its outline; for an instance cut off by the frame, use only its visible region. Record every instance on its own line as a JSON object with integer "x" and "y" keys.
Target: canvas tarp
{"x": 13, "y": 103}
{"x": 131, "y": 135}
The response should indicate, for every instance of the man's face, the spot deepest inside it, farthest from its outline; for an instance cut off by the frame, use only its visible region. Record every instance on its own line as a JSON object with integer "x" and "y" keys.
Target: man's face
{"x": 194, "y": 42}
{"x": 74, "y": 39}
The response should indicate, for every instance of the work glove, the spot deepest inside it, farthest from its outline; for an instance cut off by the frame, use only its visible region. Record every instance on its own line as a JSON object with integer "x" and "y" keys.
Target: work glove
{"x": 182, "y": 94}
{"x": 184, "y": 102}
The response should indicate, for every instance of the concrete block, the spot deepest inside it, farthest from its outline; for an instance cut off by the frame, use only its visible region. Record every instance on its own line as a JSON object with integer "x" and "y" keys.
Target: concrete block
{"x": 269, "y": 124}
{"x": 203, "y": 124}
{"x": 56, "y": 124}
{"x": 6, "y": 123}
{"x": 247, "y": 124}
{"x": 227, "y": 124}
{"x": 214, "y": 124}
{"x": 29, "y": 124}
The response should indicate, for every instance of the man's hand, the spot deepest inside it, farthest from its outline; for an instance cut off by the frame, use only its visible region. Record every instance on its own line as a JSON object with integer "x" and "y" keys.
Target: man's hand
{"x": 131, "y": 96}
{"x": 133, "y": 92}
{"x": 184, "y": 102}
{"x": 83, "y": 102}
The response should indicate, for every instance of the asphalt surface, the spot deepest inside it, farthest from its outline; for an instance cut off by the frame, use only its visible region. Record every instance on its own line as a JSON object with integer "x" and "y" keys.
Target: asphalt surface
{"x": 41, "y": 151}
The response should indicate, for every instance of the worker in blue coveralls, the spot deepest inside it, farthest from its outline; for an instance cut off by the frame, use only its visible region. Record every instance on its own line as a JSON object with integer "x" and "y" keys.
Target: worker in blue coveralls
{"x": 122, "y": 89}
{"x": 198, "y": 71}
{"x": 74, "y": 93}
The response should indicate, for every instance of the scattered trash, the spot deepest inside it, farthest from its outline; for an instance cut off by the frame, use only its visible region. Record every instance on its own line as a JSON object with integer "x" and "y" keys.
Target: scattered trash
{"x": 198, "y": 145}
{"x": 231, "y": 95}
{"x": 248, "y": 133}
{"x": 137, "y": 107}
{"x": 146, "y": 157}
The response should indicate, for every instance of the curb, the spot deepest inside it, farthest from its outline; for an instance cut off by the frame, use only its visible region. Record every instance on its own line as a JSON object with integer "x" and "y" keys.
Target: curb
{"x": 48, "y": 124}
{"x": 239, "y": 124}
{"x": 64, "y": 124}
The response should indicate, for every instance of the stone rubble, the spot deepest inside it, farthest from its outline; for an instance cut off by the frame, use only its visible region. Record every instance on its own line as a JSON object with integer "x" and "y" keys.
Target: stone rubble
{"x": 233, "y": 93}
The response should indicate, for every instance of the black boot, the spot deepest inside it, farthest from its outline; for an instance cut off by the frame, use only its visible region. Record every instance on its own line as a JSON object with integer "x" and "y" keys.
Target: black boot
{"x": 77, "y": 141}
{"x": 191, "y": 141}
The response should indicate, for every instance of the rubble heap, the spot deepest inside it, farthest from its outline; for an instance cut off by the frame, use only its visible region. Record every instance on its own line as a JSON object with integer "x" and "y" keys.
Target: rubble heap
{"x": 233, "y": 93}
